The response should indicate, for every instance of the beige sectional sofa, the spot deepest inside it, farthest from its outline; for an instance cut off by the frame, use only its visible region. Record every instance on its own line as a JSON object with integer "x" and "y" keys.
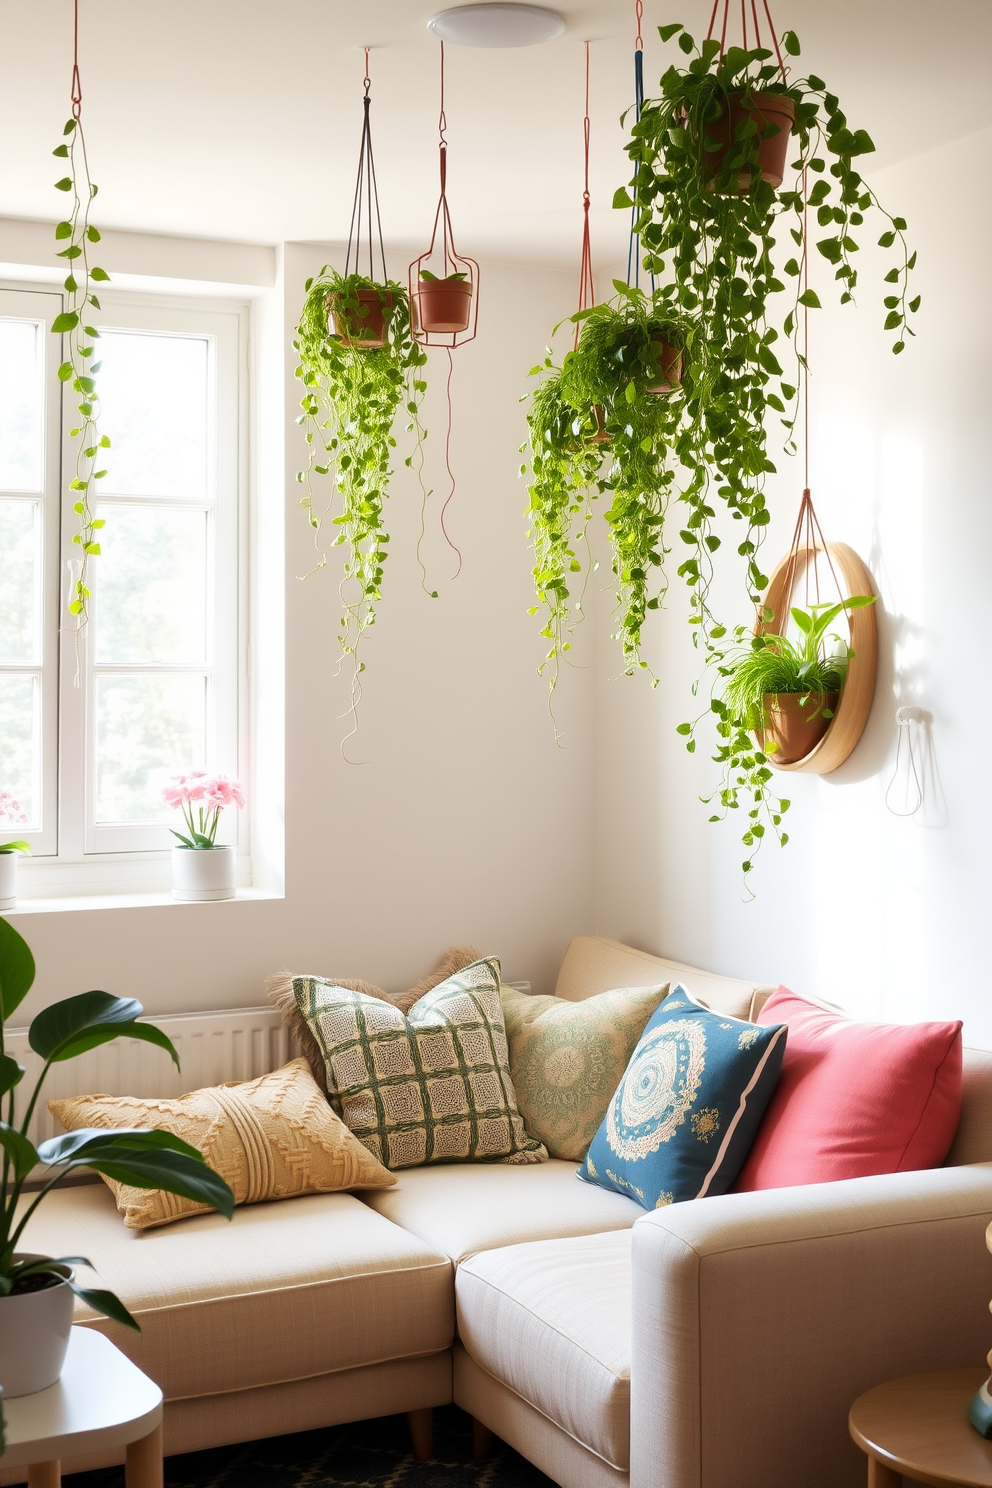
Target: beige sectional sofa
{"x": 714, "y": 1344}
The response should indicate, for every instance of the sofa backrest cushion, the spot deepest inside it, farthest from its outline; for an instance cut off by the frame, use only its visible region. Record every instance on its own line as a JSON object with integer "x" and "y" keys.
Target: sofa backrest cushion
{"x": 973, "y": 1140}
{"x": 594, "y": 964}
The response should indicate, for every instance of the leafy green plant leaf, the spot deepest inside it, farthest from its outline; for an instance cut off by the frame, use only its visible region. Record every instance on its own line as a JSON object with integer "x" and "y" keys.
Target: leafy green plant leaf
{"x": 71, "y": 1027}
{"x": 16, "y": 969}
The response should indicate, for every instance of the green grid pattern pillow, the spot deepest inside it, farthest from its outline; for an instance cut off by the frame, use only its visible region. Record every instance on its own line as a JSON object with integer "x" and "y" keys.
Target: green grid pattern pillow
{"x": 431, "y": 1087}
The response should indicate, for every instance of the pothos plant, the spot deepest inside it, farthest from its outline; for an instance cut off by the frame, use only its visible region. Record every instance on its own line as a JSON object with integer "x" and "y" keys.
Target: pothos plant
{"x": 752, "y": 669}
{"x": 352, "y": 394}
{"x": 78, "y": 368}
{"x": 727, "y": 252}
{"x": 610, "y": 421}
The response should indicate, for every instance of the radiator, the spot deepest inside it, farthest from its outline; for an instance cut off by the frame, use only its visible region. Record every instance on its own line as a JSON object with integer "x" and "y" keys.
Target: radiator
{"x": 235, "y": 1044}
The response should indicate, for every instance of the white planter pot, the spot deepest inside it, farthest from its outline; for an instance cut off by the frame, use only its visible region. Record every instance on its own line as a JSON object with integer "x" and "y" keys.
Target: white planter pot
{"x": 34, "y": 1336}
{"x": 8, "y": 879}
{"x": 202, "y": 873}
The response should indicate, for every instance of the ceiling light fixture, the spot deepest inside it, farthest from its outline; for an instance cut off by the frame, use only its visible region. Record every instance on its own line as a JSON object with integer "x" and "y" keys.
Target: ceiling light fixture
{"x": 496, "y": 25}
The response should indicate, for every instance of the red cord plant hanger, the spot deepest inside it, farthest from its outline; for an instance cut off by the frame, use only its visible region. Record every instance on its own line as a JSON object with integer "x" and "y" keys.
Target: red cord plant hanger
{"x": 443, "y": 283}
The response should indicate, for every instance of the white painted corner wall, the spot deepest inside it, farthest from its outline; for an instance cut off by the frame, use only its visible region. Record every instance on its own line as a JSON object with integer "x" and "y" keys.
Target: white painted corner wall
{"x": 886, "y": 916}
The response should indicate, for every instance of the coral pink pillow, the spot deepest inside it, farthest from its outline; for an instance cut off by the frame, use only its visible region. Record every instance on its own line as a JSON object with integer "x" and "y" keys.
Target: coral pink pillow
{"x": 854, "y": 1098}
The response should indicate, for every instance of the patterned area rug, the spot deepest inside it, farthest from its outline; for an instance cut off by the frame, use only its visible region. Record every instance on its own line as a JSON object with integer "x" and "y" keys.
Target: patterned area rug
{"x": 363, "y": 1454}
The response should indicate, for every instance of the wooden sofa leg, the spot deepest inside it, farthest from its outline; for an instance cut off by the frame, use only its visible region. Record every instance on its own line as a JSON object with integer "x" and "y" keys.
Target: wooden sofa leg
{"x": 482, "y": 1441}
{"x": 421, "y": 1423}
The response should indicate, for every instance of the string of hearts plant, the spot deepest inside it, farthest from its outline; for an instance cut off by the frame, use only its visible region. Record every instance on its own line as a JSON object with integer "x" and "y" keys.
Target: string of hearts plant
{"x": 728, "y": 237}
{"x": 78, "y": 368}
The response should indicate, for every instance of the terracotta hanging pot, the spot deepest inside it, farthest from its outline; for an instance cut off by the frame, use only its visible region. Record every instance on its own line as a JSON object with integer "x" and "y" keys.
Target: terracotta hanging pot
{"x": 443, "y": 306}
{"x": 363, "y": 325}
{"x": 796, "y": 723}
{"x": 764, "y": 109}
{"x": 601, "y": 435}
{"x": 670, "y": 363}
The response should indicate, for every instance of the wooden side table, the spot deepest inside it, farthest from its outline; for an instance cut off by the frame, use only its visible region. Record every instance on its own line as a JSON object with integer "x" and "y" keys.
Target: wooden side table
{"x": 101, "y": 1401}
{"x": 918, "y": 1427}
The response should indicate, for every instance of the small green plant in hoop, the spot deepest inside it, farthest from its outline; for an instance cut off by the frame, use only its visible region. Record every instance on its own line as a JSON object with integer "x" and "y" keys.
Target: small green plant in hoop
{"x": 755, "y": 668}
{"x": 78, "y": 369}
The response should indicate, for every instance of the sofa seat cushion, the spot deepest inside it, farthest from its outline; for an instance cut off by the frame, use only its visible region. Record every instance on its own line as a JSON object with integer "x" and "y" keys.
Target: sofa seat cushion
{"x": 282, "y": 1292}
{"x": 551, "y": 1321}
{"x": 467, "y": 1207}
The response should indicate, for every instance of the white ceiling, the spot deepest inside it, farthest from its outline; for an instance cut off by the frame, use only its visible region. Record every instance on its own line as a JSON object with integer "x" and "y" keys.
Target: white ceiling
{"x": 241, "y": 120}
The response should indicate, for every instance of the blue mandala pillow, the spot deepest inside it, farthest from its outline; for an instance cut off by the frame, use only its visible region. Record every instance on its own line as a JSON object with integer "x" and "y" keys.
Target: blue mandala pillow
{"x": 688, "y": 1107}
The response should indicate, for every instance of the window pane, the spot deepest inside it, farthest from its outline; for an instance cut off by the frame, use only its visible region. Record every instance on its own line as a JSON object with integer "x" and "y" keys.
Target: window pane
{"x": 20, "y": 749}
{"x": 152, "y": 585}
{"x": 146, "y": 727}
{"x": 154, "y": 402}
{"x": 21, "y": 405}
{"x": 20, "y": 534}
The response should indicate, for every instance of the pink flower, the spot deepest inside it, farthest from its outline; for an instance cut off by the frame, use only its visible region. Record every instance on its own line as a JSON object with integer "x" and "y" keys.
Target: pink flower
{"x": 10, "y": 808}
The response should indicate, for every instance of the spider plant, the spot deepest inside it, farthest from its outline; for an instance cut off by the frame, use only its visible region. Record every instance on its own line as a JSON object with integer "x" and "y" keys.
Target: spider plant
{"x": 812, "y": 667}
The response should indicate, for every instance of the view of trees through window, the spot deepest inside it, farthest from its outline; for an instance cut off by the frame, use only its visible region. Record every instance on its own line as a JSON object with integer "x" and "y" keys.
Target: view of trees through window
{"x": 150, "y": 653}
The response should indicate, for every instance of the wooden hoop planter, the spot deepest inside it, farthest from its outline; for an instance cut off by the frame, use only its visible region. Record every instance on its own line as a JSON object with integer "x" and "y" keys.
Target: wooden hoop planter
{"x": 848, "y": 722}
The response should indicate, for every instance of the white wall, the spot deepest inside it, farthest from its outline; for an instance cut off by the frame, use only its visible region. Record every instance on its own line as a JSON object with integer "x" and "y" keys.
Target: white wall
{"x": 886, "y": 916}
{"x": 467, "y": 823}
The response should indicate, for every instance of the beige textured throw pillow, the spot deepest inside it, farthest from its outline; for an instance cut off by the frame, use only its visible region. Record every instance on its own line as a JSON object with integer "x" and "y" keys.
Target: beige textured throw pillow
{"x": 567, "y": 1059}
{"x": 271, "y": 1138}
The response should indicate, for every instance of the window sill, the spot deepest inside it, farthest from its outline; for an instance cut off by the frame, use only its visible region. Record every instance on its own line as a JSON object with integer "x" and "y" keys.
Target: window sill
{"x": 58, "y": 904}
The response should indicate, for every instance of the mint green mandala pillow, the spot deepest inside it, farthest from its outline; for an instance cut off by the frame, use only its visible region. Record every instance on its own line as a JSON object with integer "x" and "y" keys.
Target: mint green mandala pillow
{"x": 567, "y": 1059}
{"x": 432, "y": 1086}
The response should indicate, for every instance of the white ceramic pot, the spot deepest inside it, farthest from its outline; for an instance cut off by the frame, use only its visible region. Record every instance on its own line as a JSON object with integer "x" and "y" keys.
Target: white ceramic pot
{"x": 203, "y": 873}
{"x": 34, "y": 1336}
{"x": 8, "y": 879}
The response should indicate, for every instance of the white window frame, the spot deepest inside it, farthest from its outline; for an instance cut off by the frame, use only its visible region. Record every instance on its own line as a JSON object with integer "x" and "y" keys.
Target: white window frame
{"x": 69, "y": 834}
{"x": 40, "y": 305}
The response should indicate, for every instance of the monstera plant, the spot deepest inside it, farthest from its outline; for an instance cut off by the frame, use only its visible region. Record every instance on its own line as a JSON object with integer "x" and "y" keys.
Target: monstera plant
{"x": 146, "y": 1159}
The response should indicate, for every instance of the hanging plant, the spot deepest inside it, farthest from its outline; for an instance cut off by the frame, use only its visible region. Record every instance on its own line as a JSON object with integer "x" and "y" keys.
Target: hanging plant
{"x": 355, "y": 376}
{"x": 774, "y": 700}
{"x": 618, "y": 398}
{"x": 358, "y": 363}
{"x": 709, "y": 156}
{"x": 78, "y": 369}
{"x": 444, "y": 307}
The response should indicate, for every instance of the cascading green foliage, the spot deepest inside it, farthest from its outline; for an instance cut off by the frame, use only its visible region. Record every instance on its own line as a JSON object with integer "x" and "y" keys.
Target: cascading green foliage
{"x": 352, "y": 394}
{"x": 78, "y": 369}
{"x": 747, "y": 672}
{"x": 601, "y": 392}
{"x": 727, "y": 252}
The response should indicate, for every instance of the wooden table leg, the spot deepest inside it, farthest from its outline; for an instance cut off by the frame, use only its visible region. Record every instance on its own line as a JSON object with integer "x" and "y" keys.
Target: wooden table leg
{"x": 421, "y": 1423}
{"x": 482, "y": 1441}
{"x": 144, "y": 1461}
{"x": 45, "y": 1474}
{"x": 880, "y": 1475}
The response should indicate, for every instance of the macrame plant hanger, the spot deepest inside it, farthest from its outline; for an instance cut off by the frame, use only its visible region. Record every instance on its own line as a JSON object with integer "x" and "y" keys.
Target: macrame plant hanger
{"x": 365, "y": 218}
{"x": 725, "y": 21}
{"x": 587, "y": 290}
{"x": 446, "y": 317}
{"x": 444, "y": 307}
{"x": 634, "y": 247}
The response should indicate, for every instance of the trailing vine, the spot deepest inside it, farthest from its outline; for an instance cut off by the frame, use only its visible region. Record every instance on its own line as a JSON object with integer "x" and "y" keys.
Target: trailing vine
{"x": 78, "y": 369}
{"x": 352, "y": 394}
{"x": 596, "y": 428}
{"x": 720, "y": 250}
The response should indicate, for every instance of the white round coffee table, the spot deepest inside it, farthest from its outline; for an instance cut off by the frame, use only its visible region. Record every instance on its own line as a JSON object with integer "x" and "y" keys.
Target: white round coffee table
{"x": 102, "y": 1401}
